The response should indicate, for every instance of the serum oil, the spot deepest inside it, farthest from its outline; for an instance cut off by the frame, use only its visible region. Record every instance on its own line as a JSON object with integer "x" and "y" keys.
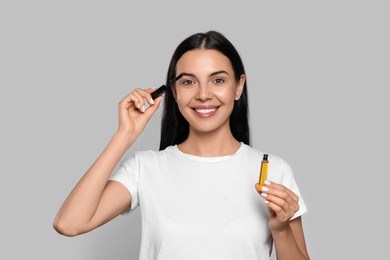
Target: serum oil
{"x": 263, "y": 170}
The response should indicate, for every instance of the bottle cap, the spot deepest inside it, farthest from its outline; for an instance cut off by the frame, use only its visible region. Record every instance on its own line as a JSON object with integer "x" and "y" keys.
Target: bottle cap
{"x": 265, "y": 157}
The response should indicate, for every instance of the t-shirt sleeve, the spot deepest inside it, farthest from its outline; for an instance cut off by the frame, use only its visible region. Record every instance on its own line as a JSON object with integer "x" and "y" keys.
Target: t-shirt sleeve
{"x": 288, "y": 181}
{"x": 127, "y": 173}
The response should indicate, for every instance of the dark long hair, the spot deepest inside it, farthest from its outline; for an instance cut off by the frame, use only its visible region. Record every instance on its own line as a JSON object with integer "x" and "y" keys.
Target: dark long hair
{"x": 174, "y": 127}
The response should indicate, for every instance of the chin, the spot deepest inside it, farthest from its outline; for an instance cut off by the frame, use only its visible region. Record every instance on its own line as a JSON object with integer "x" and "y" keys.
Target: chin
{"x": 208, "y": 127}
{"x": 207, "y": 123}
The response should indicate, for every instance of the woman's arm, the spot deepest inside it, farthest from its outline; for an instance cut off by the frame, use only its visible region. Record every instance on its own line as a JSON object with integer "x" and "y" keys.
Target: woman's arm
{"x": 287, "y": 234}
{"x": 290, "y": 243}
{"x": 93, "y": 194}
{"x": 95, "y": 200}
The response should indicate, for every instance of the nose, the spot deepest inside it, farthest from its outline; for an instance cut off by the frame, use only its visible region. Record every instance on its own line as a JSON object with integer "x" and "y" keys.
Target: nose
{"x": 203, "y": 93}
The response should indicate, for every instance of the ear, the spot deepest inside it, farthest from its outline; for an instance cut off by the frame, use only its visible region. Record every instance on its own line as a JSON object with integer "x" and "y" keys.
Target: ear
{"x": 240, "y": 87}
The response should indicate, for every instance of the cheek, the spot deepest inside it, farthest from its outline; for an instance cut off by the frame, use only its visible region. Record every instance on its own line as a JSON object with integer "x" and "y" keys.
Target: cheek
{"x": 182, "y": 100}
{"x": 184, "y": 96}
{"x": 179, "y": 98}
{"x": 225, "y": 94}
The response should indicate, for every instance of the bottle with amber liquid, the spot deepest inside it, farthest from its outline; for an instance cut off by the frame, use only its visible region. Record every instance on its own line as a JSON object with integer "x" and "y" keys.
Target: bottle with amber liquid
{"x": 263, "y": 170}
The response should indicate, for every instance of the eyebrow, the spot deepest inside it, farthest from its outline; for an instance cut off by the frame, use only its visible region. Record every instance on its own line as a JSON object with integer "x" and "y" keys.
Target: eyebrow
{"x": 211, "y": 74}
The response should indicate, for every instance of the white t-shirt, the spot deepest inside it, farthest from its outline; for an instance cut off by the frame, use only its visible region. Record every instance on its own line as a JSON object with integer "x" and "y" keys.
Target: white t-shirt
{"x": 202, "y": 207}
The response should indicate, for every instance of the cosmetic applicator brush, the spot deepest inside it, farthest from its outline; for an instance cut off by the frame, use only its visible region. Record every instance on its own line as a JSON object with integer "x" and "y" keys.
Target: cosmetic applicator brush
{"x": 161, "y": 90}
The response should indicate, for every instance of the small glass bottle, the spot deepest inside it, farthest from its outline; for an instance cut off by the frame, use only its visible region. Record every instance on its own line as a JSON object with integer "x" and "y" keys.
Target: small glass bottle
{"x": 263, "y": 170}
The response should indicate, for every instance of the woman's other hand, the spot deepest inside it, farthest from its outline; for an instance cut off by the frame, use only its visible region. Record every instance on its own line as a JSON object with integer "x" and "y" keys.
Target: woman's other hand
{"x": 282, "y": 204}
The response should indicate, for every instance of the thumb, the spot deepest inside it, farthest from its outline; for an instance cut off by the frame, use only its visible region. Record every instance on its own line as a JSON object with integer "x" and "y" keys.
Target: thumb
{"x": 153, "y": 108}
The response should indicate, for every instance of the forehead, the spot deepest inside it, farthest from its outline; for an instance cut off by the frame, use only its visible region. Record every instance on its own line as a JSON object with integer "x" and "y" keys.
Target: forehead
{"x": 203, "y": 60}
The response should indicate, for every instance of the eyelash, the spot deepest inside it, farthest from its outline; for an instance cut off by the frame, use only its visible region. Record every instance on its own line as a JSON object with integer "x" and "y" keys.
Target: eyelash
{"x": 219, "y": 81}
{"x": 188, "y": 82}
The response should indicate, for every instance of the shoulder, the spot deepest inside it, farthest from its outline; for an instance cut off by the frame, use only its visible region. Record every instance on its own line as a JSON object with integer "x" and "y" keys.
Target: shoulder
{"x": 152, "y": 154}
{"x": 148, "y": 156}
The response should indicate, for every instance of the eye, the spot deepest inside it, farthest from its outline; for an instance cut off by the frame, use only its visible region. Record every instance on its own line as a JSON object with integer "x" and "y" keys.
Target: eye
{"x": 218, "y": 81}
{"x": 187, "y": 82}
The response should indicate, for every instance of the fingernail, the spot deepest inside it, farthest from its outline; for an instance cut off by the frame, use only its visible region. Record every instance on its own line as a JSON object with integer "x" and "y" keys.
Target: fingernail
{"x": 264, "y": 188}
{"x": 151, "y": 101}
{"x": 138, "y": 105}
{"x": 267, "y": 182}
{"x": 143, "y": 108}
{"x": 267, "y": 201}
{"x": 264, "y": 194}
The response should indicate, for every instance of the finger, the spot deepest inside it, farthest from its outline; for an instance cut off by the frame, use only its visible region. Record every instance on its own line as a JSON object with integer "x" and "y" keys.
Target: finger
{"x": 146, "y": 94}
{"x": 281, "y": 196}
{"x": 282, "y": 189}
{"x": 128, "y": 101}
{"x": 276, "y": 209}
{"x": 131, "y": 97}
{"x": 152, "y": 109}
{"x": 287, "y": 208}
{"x": 140, "y": 100}
{"x": 276, "y": 205}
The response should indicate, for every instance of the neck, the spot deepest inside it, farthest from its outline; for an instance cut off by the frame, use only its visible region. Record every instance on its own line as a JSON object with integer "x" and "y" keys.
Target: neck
{"x": 210, "y": 144}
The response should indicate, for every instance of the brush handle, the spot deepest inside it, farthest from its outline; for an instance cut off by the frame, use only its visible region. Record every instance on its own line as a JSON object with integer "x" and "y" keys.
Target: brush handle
{"x": 161, "y": 90}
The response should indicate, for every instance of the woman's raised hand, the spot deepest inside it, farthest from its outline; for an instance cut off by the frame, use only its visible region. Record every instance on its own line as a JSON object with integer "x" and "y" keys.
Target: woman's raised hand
{"x": 282, "y": 204}
{"x": 94, "y": 200}
{"x": 134, "y": 113}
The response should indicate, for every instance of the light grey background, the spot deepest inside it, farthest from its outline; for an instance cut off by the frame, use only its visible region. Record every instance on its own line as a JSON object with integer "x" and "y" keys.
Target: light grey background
{"x": 318, "y": 71}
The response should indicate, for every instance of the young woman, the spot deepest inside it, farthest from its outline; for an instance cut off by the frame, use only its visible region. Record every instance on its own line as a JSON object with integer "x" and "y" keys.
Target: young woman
{"x": 198, "y": 195}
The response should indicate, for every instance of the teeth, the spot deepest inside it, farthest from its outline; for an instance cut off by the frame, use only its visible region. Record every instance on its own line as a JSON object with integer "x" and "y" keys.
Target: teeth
{"x": 205, "y": 111}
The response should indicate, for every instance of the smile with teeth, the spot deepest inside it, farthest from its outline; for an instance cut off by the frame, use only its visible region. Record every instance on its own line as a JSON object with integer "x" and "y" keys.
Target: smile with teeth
{"x": 204, "y": 112}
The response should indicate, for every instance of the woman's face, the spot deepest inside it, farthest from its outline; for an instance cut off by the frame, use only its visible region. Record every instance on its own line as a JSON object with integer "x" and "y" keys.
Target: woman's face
{"x": 205, "y": 94}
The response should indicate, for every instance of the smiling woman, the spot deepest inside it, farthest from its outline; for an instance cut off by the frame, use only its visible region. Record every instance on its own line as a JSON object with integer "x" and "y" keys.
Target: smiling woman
{"x": 206, "y": 93}
{"x": 224, "y": 58}
{"x": 198, "y": 195}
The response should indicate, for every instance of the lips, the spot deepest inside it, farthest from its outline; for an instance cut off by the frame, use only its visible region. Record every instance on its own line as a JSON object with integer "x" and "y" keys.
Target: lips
{"x": 205, "y": 111}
